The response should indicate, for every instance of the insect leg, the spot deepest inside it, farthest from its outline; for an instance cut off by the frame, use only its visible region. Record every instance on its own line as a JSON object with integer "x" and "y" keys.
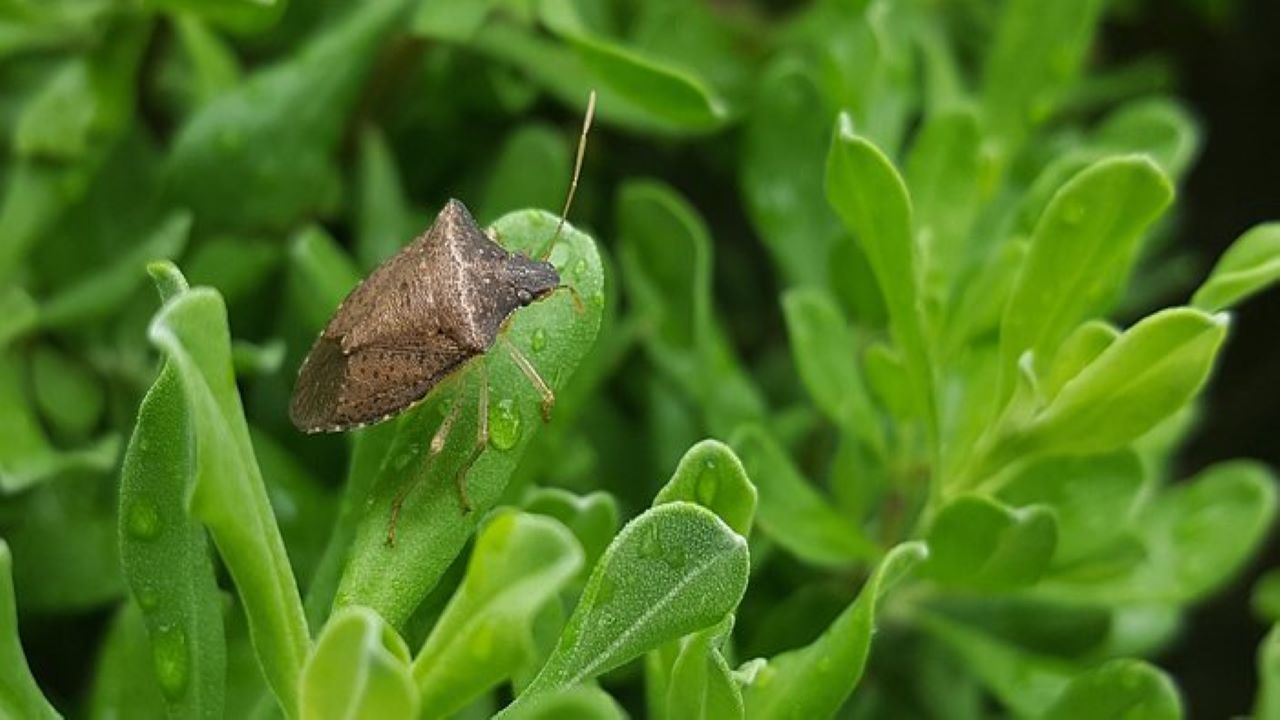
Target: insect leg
{"x": 437, "y": 444}
{"x": 526, "y": 367}
{"x": 482, "y": 438}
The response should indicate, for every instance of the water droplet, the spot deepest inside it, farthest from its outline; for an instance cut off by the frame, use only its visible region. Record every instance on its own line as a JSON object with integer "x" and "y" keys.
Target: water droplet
{"x": 605, "y": 591}
{"x": 403, "y": 459}
{"x": 169, "y": 652}
{"x": 504, "y": 424}
{"x": 674, "y": 557}
{"x": 708, "y": 484}
{"x": 650, "y": 545}
{"x": 539, "y": 340}
{"x": 580, "y": 268}
{"x": 143, "y": 522}
{"x": 147, "y": 597}
{"x": 598, "y": 299}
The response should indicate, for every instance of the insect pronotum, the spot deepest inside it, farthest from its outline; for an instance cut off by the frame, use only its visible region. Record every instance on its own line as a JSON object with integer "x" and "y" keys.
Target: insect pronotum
{"x": 417, "y": 319}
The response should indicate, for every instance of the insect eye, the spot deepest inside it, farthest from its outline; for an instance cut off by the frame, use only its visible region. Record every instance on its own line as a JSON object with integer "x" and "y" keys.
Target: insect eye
{"x": 523, "y": 296}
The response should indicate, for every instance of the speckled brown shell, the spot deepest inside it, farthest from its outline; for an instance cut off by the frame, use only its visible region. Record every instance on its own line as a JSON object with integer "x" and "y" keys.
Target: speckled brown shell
{"x": 417, "y": 318}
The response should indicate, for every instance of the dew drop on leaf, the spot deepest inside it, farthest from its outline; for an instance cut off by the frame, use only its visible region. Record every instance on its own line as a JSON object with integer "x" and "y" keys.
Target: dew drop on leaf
{"x": 147, "y": 598}
{"x": 651, "y": 546}
{"x": 169, "y": 651}
{"x": 539, "y": 340}
{"x": 143, "y": 521}
{"x": 580, "y": 269}
{"x": 504, "y": 424}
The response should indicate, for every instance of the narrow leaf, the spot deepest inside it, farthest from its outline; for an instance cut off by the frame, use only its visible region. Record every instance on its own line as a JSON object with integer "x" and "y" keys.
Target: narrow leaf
{"x": 1248, "y": 267}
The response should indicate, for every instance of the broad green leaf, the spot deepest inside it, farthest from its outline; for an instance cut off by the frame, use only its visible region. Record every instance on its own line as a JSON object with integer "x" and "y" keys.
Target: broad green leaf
{"x": 943, "y": 172}
{"x": 104, "y": 291}
{"x": 978, "y": 543}
{"x": 359, "y": 670}
{"x": 165, "y": 556}
{"x": 581, "y": 702}
{"x": 678, "y": 97}
{"x": 781, "y": 173}
{"x": 593, "y": 517}
{"x": 702, "y": 685}
{"x": 793, "y": 512}
{"x": 124, "y": 684}
{"x": 1147, "y": 374}
{"x": 1081, "y": 251}
{"x": 871, "y": 198}
{"x": 826, "y": 356}
{"x": 554, "y": 334}
{"x": 666, "y": 261}
{"x": 1026, "y": 683}
{"x": 533, "y": 170}
{"x": 519, "y": 564}
{"x": 70, "y": 396}
{"x": 673, "y": 570}
{"x": 459, "y": 20}
{"x": 1267, "y": 705}
{"x": 228, "y": 495}
{"x": 278, "y": 130}
{"x": 1197, "y": 535}
{"x": 815, "y": 680}
{"x": 1119, "y": 690}
{"x": 1038, "y": 50}
{"x": 384, "y": 219}
{"x": 20, "y": 697}
{"x": 1080, "y": 348}
{"x": 1249, "y": 266}
{"x": 710, "y": 475}
{"x": 1093, "y": 498}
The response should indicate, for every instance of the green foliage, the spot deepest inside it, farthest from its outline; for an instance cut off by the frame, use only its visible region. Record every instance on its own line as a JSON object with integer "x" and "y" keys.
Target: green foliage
{"x": 921, "y": 444}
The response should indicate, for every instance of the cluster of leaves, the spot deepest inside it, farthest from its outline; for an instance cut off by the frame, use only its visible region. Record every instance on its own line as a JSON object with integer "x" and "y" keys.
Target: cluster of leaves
{"x": 954, "y": 447}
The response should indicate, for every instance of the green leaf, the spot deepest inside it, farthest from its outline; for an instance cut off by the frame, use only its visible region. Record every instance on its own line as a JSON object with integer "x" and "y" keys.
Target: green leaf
{"x": 944, "y": 173}
{"x": 1267, "y": 705}
{"x": 1249, "y": 266}
{"x": 1080, "y": 348}
{"x": 826, "y": 356}
{"x": 1264, "y": 600}
{"x": 1197, "y": 536}
{"x": 123, "y": 683}
{"x": 278, "y": 130}
{"x": 519, "y": 564}
{"x": 795, "y": 514}
{"x": 243, "y": 16}
{"x": 1148, "y": 373}
{"x": 1119, "y": 690}
{"x": 229, "y": 496}
{"x": 710, "y": 475}
{"x": 214, "y": 66}
{"x": 871, "y": 198}
{"x": 1081, "y": 252}
{"x": 1093, "y": 499}
{"x": 432, "y": 527}
{"x": 165, "y": 556}
{"x": 593, "y": 517}
{"x": 673, "y": 570}
{"x": 105, "y": 290}
{"x": 581, "y": 702}
{"x": 815, "y": 680}
{"x": 666, "y": 261}
{"x": 678, "y": 98}
{"x": 701, "y": 684}
{"x": 70, "y": 396}
{"x": 234, "y": 266}
{"x": 321, "y": 275}
{"x": 20, "y": 697}
{"x": 458, "y": 20}
{"x": 18, "y": 314}
{"x": 976, "y": 542}
{"x": 359, "y": 669}
{"x": 781, "y": 173}
{"x": 1038, "y": 50}
{"x": 384, "y": 219}
{"x": 533, "y": 170}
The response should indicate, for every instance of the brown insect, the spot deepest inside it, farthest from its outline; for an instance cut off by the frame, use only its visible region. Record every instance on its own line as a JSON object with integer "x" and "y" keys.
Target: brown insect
{"x": 416, "y": 320}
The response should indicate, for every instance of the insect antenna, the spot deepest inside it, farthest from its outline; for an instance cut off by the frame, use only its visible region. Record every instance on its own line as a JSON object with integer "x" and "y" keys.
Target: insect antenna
{"x": 577, "y": 170}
